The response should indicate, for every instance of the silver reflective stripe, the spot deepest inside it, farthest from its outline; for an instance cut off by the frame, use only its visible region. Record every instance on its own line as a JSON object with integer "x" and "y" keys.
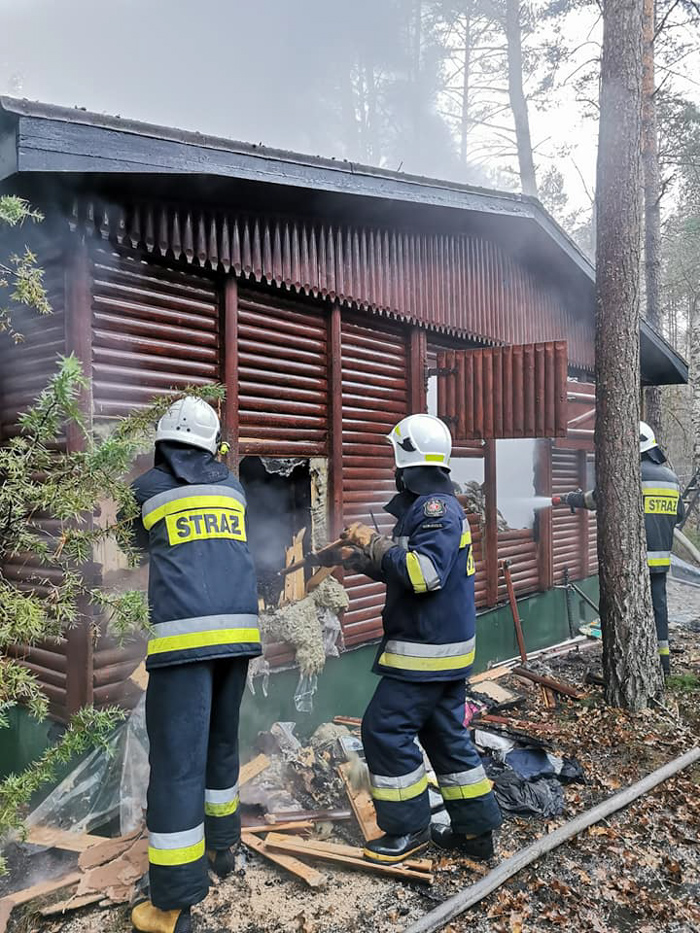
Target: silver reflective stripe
{"x": 405, "y": 780}
{"x": 412, "y": 650}
{"x": 430, "y": 574}
{"x": 462, "y": 778}
{"x": 663, "y": 644}
{"x": 189, "y": 492}
{"x": 465, "y": 526}
{"x": 658, "y": 555}
{"x": 188, "y": 837}
{"x": 402, "y": 542}
{"x": 203, "y": 624}
{"x": 651, "y": 484}
{"x": 227, "y": 795}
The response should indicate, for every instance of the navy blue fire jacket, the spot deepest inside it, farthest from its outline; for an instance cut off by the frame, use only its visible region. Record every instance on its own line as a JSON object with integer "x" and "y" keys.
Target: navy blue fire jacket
{"x": 202, "y": 588}
{"x": 430, "y": 614}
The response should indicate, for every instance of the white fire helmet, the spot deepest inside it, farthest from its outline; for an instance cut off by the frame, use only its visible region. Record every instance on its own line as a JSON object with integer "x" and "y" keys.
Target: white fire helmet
{"x": 646, "y": 437}
{"x": 421, "y": 440}
{"x": 190, "y": 421}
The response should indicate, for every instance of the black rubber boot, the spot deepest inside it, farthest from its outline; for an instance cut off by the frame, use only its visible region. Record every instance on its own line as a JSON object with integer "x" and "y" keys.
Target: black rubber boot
{"x": 389, "y": 849}
{"x": 480, "y": 848}
{"x": 145, "y": 918}
{"x": 222, "y": 862}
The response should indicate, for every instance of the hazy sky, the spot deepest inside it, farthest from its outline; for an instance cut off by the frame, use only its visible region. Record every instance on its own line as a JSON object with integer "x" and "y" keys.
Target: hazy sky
{"x": 241, "y": 70}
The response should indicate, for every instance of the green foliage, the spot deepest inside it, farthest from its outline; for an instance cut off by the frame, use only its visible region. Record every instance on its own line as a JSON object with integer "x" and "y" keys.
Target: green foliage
{"x": 683, "y": 683}
{"x": 20, "y": 275}
{"x": 56, "y": 508}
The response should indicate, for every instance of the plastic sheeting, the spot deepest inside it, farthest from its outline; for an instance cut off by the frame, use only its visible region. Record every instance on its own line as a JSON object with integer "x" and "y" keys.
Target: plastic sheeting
{"x": 108, "y": 785}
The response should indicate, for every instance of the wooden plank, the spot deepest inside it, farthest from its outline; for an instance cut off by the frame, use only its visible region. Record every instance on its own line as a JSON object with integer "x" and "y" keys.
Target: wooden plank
{"x": 107, "y": 850}
{"x": 42, "y": 889}
{"x": 321, "y": 574}
{"x": 298, "y": 847}
{"x": 62, "y": 839}
{"x": 492, "y": 674}
{"x": 73, "y": 903}
{"x": 311, "y": 876}
{"x": 294, "y": 582}
{"x": 291, "y": 826}
{"x": 347, "y": 721}
{"x": 253, "y": 769}
{"x": 362, "y": 806}
{"x": 315, "y": 816}
{"x": 339, "y": 848}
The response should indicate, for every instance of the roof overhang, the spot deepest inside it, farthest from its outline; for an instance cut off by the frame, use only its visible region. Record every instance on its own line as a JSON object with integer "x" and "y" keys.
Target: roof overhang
{"x": 46, "y": 140}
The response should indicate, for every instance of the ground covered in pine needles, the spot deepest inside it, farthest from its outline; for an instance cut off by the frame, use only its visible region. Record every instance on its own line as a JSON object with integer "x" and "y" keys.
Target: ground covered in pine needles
{"x": 638, "y": 872}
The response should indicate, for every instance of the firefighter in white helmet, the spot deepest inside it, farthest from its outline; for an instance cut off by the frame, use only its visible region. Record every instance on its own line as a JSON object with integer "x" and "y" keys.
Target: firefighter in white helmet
{"x": 663, "y": 509}
{"x": 424, "y": 658}
{"x": 203, "y": 604}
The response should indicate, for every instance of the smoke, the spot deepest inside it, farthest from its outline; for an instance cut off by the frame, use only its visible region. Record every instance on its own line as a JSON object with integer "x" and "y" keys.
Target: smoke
{"x": 339, "y": 80}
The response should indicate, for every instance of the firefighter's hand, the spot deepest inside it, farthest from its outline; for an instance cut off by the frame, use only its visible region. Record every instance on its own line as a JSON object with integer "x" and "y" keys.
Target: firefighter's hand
{"x": 359, "y": 535}
{"x": 335, "y": 557}
{"x": 575, "y": 500}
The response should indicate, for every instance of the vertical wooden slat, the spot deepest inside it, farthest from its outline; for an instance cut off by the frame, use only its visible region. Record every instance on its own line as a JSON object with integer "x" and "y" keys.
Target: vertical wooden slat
{"x": 529, "y": 390}
{"x": 541, "y": 400}
{"x": 507, "y": 392}
{"x": 78, "y": 329}
{"x": 543, "y": 487}
{"x": 490, "y": 551}
{"x": 583, "y": 514}
{"x": 478, "y": 394}
{"x": 489, "y": 402}
{"x": 417, "y": 388}
{"x": 335, "y": 408}
{"x": 230, "y": 376}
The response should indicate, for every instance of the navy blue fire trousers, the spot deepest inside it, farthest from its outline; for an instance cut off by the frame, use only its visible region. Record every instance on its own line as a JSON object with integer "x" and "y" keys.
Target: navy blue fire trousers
{"x": 192, "y": 713}
{"x": 433, "y": 712}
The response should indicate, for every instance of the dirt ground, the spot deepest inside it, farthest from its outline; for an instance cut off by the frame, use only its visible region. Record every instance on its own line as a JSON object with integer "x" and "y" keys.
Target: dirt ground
{"x": 638, "y": 872}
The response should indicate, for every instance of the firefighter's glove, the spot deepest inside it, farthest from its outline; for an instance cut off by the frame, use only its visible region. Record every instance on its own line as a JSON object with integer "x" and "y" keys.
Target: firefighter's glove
{"x": 335, "y": 557}
{"x": 368, "y": 558}
{"x": 359, "y": 535}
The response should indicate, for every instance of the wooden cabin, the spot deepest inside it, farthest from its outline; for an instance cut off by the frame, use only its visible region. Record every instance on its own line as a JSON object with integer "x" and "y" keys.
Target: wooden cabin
{"x": 331, "y": 299}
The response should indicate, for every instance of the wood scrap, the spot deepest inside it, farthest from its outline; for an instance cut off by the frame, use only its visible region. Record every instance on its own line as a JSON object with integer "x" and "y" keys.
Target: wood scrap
{"x": 317, "y": 578}
{"x": 502, "y": 697}
{"x": 556, "y": 685}
{"x": 362, "y": 805}
{"x": 6, "y": 905}
{"x": 291, "y": 826}
{"x": 294, "y": 581}
{"x": 308, "y": 874}
{"x": 454, "y": 906}
{"x": 492, "y": 673}
{"x": 106, "y": 850}
{"x": 116, "y": 879}
{"x": 295, "y": 847}
{"x": 73, "y": 903}
{"x": 316, "y": 816}
{"x": 62, "y": 839}
{"x": 341, "y": 848}
{"x": 42, "y": 889}
{"x": 139, "y": 677}
{"x": 251, "y": 770}
{"x": 347, "y": 721}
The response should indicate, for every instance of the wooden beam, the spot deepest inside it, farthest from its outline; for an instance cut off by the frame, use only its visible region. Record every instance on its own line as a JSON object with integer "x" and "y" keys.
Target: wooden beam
{"x": 311, "y": 876}
{"x": 251, "y": 770}
{"x": 62, "y": 839}
{"x": 417, "y": 387}
{"x": 490, "y": 540}
{"x": 230, "y": 371}
{"x": 301, "y": 847}
{"x": 335, "y": 408}
{"x": 543, "y": 487}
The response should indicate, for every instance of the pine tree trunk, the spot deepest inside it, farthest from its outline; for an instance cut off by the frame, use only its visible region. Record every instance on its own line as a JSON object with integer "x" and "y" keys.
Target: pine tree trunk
{"x": 631, "y": 665}
{"x": 652, "y": 207}
{"x": 518, "y": 103}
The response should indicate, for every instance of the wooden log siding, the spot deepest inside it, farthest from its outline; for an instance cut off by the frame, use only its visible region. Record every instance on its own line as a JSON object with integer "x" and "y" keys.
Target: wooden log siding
{"x": 461, "y": 285}
{"x": 24, "y": 371}
{"x": 375, "y": 396}
{"x": 570, "y": 531}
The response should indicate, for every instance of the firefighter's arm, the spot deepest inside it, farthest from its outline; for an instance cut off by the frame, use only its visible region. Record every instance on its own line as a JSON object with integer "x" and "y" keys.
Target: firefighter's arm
{"x": 432, "y": 550}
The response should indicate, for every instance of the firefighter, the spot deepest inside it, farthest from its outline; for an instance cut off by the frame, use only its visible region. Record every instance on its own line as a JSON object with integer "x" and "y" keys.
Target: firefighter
{"x": 424, "y": 657}
{"x": 203, "y": 602}
{"x": 663, "y": 510}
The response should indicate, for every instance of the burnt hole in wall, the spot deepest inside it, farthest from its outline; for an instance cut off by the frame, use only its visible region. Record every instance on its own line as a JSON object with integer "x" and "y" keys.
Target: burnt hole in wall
{"x": 278, "y": 492}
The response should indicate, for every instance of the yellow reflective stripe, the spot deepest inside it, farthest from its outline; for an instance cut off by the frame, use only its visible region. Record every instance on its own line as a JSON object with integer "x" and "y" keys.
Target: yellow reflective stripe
{"x": 434, "y": 458}
{"x": 658, "y": 561}
{"x": 415, "y": 574}
{"x": 400, "y": 793}
{"x": 664, "y": 651}
{"x": 222, "y": 809}
{"x": 191, "y": 502}
{"x": 465, "y": 539}
{"x": 471, "y": 566}
{"x": 467, "y": 791}
{"x": 406, "y": 663}
{"x": 224, "y": 636}
{"x": 661, "y": 491}
{"x": 176, "y": 856}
